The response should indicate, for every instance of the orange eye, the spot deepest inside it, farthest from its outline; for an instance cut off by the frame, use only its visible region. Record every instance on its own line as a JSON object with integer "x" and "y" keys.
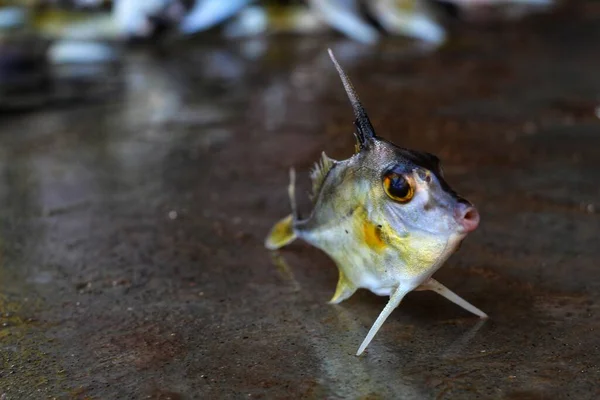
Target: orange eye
{"x": 397, "y": 187}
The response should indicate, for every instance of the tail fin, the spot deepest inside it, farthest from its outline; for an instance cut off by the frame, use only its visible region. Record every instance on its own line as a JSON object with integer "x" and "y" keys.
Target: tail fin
{"x": 282, "y": 232}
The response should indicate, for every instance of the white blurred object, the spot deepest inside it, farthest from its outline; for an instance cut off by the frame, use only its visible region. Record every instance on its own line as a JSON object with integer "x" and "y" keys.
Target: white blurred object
{"x": 79, "y": 52}
{"x": 408, "y": 17}
{"x": 132, "y": 16}
{"x": 251, "y": 18}
{"x": 12, "y": 18}
{"x": 344, "y": 15}
{"x": 208, "y": 13}
{"x": 250, "y": 21}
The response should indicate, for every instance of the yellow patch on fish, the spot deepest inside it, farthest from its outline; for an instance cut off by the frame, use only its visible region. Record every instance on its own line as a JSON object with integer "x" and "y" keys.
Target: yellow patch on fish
{"x": 373, "y": 236}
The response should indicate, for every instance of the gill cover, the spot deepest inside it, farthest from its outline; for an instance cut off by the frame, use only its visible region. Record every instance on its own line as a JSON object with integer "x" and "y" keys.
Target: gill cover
{"x": 364, "y": 130}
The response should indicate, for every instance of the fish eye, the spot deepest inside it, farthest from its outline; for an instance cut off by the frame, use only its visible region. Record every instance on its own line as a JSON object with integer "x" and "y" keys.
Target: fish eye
{"x": 398, "y": 187}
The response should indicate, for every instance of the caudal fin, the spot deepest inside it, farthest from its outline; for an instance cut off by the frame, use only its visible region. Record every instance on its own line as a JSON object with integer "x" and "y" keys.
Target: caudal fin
{"x": 281, "y": 234}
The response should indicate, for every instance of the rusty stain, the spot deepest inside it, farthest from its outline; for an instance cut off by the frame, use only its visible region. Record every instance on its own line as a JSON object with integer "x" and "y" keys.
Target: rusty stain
{"x": 149, "y": 346}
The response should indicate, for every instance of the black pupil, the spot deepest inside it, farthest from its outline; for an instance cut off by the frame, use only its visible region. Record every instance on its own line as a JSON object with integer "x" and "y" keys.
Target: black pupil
{"x": 399, "y": 187}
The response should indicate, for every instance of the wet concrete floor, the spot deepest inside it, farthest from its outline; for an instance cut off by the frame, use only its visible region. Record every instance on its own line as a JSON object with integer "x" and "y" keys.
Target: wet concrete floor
{"x": 132, "y": 263}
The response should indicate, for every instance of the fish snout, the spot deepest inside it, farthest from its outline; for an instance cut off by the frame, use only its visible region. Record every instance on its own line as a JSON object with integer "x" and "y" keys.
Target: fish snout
{"x": 467, "y": 216}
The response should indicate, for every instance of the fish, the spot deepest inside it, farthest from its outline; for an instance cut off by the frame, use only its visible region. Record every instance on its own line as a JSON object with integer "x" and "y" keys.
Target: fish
{"x": 410, "y": 18}
{"x": 345, "y": 17}
{"x": 208, "y": 13}
{"x": 386, "y": 216}
{"x": 363, "y": 21}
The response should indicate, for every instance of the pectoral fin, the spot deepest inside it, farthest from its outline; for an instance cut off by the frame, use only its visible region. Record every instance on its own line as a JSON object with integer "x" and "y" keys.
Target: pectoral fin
{"x": 437, "y": 287}
{"x": 344, "y": 289}
{"x": 281, "y": 234}
{"x": 394, "y": 302}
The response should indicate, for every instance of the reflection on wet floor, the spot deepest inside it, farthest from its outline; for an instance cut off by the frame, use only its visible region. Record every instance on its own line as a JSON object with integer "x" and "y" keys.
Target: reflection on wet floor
{"x": 131, "y": 228}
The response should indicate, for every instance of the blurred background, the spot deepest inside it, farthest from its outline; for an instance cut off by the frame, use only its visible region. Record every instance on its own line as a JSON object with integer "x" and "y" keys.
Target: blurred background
{"x": 144, "y": 156}
{"x": 60, "y": 50}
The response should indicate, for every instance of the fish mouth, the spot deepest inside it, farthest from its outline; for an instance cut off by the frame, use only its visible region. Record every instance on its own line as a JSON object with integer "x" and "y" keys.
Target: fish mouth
{"x": 467, "y": 217}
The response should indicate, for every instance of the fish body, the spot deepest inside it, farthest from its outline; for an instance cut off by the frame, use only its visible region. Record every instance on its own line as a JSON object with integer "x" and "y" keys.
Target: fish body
{"x": 351, "y": 225}
{"x": 385, "y": 216}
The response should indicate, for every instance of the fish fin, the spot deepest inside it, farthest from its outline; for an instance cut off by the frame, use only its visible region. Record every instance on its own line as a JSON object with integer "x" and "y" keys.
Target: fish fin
{"x": 319, "y": 173}
{"x": 344, "y": 289}
{"x": 281, "y": 234}
{"x": 394, "y": 302}
{"x": 292, "y": 193}
{"x": 345, "y": 17}
{"x": 442, "y": 290}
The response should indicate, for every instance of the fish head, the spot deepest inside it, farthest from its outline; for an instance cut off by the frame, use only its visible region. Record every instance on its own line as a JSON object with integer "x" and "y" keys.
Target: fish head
{"x": 407, "y": 189}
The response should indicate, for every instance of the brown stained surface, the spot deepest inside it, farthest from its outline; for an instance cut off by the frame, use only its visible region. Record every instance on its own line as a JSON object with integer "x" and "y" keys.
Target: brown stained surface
{"x": 131, "y": 231}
